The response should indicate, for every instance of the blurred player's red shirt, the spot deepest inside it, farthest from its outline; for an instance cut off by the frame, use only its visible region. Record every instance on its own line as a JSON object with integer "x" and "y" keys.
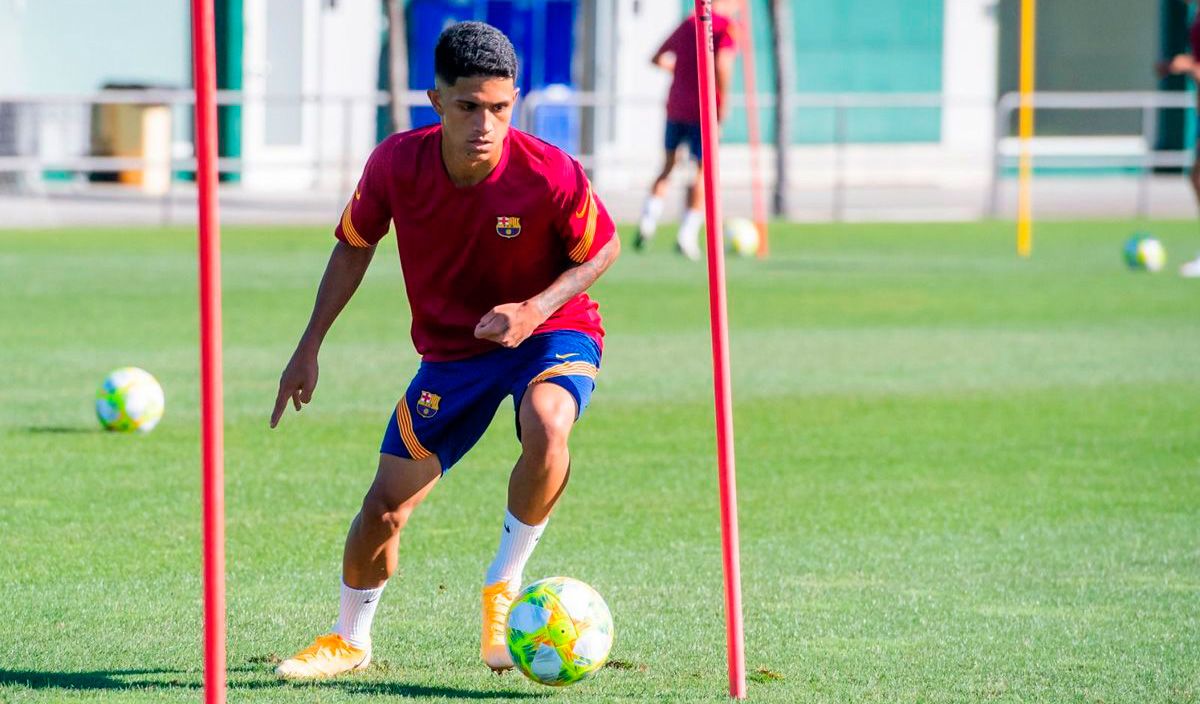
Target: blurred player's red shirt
{"x": 466, "y": 250}
{"x": 1194, "y": 36}
{"x": 683, "y": 101}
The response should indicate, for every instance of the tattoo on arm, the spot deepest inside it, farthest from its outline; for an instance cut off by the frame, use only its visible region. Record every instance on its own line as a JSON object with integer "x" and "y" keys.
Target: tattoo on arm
{"x": 577, "y": 279}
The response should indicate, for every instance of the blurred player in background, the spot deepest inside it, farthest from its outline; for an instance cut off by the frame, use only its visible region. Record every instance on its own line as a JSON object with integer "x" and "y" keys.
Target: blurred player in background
{"x": 1188, "y": 64}
{"x": 678, "y": 55}
{"x": 499, "y": 236}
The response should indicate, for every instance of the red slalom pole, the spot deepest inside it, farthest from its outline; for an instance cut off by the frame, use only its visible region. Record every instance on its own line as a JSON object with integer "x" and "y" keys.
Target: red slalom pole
{"x": 751, "y": 91}
{"x": 212, "y": 422}
{"x": 720, "y": 347}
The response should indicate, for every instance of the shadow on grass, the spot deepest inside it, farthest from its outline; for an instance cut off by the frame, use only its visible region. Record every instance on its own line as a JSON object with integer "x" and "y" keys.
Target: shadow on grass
{"x": 110, "y": 679}
{"x": 182, "y": 679}
{"x": 61, "y": 430}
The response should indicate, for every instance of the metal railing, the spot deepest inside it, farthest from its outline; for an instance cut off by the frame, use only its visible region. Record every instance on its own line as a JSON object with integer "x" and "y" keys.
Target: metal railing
{"x": 333, "y": 152}
{"x": 1146, "y": 159}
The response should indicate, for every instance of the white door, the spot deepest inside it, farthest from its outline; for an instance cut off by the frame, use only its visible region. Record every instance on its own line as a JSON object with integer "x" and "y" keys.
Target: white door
{"x": 278, "y": 125}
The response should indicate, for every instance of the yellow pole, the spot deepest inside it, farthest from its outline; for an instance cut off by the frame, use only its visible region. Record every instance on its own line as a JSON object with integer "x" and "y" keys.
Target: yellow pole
{"x": 1025, "y": 169}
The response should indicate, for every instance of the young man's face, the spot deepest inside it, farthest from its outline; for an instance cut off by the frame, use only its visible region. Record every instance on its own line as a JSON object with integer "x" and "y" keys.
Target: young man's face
{"x": 475, "y": 116}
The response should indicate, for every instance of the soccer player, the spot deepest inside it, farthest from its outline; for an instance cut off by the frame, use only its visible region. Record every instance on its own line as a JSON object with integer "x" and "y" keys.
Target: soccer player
{"x": 499, "y": 235}
{"x": 678, "y": 55}
{"x": 1188, "y": 64}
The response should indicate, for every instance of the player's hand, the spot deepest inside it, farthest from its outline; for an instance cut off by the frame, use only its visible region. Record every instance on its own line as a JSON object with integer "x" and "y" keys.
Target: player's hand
{"x": 510, "y": 324}
{"x": 296, "y": 383}
{"x": 1182, "y": 63}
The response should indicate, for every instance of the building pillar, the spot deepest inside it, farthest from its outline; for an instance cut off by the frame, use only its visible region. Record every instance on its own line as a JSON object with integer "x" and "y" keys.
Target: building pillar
{"x": 970, "y": 72}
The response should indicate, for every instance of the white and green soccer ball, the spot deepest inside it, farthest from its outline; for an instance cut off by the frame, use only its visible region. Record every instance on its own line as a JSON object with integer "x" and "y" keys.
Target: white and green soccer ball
{"x": 1145, "y": 253}
{"x": 130, "y": 399}
{"x": 559, "y": 631}
{"x": 742, "y": 236}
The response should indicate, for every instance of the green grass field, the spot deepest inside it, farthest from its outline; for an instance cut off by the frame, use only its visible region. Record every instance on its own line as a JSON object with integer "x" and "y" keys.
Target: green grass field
{"x": 962, "y": 477}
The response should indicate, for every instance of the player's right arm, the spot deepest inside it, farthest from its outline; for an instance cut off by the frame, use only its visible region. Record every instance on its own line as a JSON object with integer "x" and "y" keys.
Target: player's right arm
{"x": 344, "y": 272}
{"x": 664, "y": 58}
{"x": 364, "y": 222}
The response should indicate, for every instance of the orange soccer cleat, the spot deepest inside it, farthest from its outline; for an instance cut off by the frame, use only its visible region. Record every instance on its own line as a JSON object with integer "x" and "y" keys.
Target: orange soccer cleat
{"x": 493, "y": 644}
{"x": 329, "y": 656}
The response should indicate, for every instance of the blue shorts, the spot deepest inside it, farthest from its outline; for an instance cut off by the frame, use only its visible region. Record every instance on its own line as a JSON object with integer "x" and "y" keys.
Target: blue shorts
{"x": 680, "y": 132}
{"x": 449, "y": 405}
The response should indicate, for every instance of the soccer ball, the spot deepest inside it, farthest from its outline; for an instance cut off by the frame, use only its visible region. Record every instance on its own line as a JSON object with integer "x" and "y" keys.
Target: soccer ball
{"x": 559, "y": 631}
{"x": 129, "y": 399}
{"x": 1143, "y": 252}
{"x": 742, "y": 236}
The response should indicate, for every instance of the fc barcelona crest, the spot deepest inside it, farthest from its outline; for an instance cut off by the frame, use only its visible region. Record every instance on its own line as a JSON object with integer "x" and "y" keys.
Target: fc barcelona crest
{"x": 427, "y": 404}
{"x": 508, "y": 227}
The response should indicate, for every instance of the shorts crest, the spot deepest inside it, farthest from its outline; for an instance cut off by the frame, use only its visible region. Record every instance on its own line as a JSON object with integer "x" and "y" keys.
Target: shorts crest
{"x": 427, "y": 404}
{"x": 508, "y": 226}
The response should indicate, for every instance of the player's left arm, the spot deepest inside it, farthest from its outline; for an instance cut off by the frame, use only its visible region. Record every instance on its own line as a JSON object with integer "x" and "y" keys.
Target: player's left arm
{"x": 591, "y": 244}
{"x": 512, "y": 323}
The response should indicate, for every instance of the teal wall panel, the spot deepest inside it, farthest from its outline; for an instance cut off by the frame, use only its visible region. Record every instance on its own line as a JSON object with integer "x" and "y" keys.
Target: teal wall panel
{"x": 868, "y": 46}
{"x": 736, "y": 129}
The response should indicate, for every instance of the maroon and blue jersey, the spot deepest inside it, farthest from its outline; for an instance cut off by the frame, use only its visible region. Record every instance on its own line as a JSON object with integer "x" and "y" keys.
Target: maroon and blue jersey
{"x": 465, "y": 250}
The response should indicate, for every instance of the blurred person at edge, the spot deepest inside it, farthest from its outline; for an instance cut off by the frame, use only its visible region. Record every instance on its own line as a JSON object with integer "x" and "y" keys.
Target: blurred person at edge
{"x": 1188, "y": 64}
{"x": 678, "y": 56}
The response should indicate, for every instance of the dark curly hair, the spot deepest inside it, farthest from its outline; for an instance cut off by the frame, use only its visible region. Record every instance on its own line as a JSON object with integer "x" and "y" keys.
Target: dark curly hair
{"x": 472, "y": 49}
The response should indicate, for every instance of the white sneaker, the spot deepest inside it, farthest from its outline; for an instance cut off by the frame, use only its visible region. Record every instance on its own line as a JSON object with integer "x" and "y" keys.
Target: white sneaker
{"x": 645, "y": 233}
{"x": 689, "y": 249}
{"x": 1190, "y": 270}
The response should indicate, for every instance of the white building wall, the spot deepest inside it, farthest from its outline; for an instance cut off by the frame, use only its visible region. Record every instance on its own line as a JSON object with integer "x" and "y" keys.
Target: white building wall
{"x": 338, "y": 53}
{"x": 348, "y": 77}
{"x": 970, "y": 75}
{"x": 12, "y": 54}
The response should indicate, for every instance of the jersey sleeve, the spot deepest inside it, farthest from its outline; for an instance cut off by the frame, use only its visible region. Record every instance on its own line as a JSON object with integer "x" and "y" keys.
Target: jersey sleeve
{"x": 584, "y": 222}
{"x": 672, "y": 44}
{"x": 365, "y": 220}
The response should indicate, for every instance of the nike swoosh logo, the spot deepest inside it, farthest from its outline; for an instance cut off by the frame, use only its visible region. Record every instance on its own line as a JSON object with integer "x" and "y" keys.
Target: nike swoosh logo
{"x": 564, "y": 356}
{"x": 586, "y": 202}
{"x": 357, "y": 194}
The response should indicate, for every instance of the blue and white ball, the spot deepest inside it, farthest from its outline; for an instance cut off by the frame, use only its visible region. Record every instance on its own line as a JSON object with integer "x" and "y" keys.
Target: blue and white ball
{"x": 130, "y": 399}
{"x": 1144, "y": 253}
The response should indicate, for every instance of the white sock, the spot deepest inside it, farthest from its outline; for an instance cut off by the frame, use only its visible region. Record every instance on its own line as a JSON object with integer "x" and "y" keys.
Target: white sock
{"x": 651, "y": 212}
{"x": 689, "y": 233}
{"x": 356, "y": 615}
{"x": 517, "y": 542}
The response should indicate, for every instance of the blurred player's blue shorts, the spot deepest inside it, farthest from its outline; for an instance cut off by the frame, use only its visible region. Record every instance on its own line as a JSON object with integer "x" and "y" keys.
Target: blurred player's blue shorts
{"x": 680, "y": 132}
{"x": 448, "y": 405}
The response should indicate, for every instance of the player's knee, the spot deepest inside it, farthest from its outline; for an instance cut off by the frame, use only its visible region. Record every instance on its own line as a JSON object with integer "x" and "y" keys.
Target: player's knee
{"x": 548, "y": 425}
{"x": 378, "y": 515}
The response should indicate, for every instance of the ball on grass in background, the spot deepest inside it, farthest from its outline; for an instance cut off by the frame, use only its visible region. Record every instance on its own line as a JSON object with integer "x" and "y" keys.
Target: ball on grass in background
{"x": 559, "y": 631}
{"x": 129, "y": 399}
{"x": 1144, "y": 253}
{"x": 742, "y": 236}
